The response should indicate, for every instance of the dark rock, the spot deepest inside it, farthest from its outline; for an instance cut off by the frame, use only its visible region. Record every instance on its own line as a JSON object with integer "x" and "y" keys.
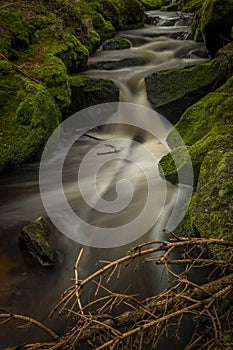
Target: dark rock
{"x": 34, "y": 238}
{"x": 216, "y": 23}
{"x": 168, "y": 18}
{"x": 130, "y": 61}
{"x": 172, "y": 92}
{"x": 117, "y": 43}
{"x": 86, "y": 92}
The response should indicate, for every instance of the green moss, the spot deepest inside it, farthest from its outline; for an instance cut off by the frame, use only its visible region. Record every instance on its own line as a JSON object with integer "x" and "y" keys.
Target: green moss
{"x": 50, "y": 35}
{"x": 177, "y": 162}
{"x": 151, "y": 4}
{"x": 214, "y": 109}
{"x": 15, "y": 32}
{"x": 53, "y": 74}
{"x": 28, "y": 115}
{"x": 211, "y": 206}
{"x": 184, "y": 5}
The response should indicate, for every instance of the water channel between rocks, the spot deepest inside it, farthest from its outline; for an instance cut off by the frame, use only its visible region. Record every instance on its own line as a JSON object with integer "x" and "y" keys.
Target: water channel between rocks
{"x": 30, "y": 289}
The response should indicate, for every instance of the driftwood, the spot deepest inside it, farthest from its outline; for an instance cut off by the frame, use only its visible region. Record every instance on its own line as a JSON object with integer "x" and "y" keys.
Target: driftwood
{"x": 145, "y": 322}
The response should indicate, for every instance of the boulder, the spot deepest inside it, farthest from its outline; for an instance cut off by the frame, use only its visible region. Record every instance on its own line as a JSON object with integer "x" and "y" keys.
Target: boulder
{"x": 51, "y": 71}
{"x": 205, "y": 126}
{"x": 216, "y": 23}
{"x": 117, "y": 43}
{"x": 86, "y": 92}
{"x": 212, "y": 203}
{"x": 172, "y": 92}
{"x": 34, "y": 238}
{"x": 29, "y": 115}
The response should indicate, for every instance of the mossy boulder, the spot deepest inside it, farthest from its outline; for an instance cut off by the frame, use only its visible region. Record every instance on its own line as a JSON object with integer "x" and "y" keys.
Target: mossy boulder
{"x": 28, "y": 115}
{"x": 212, "y": 203}
{"x": 205, "y": 126}
{"x": 117, "y": 43}
{"x": 215, "y": 109}
{"x": 52, "y": 72}
{"x": 121, "y": 13}
{"x": 35, "y": 239}
{"x": 216, "y": 23}
{"x": 51, "y": 35}
{"x": 89, "y": 36}
{"x": 183, "y": 5}
{"x": 172, "y": 92}
{"x": 14, "y": 32}
{"x": 152, "y": 4}
{"x": 175, "y": 166}
{"x": 86, "y": 92}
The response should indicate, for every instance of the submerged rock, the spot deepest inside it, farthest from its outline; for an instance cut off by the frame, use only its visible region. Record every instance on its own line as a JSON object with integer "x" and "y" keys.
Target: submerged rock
{"x": 34, "y": 238}
{"x": 86, "y": 92}
{"x": 172, "y": 92}
{"x": 117, "y": 43}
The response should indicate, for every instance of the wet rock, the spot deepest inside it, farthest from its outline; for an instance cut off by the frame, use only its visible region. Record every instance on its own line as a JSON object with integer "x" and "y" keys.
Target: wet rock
{"x": 117, "y": 43}
{"x": 172, "y": 92}
{"x": 167, "y": 18}
{"x": 86, "y": 92}
{"x": 34, "y": 238}
{"x": 120, "y": 63}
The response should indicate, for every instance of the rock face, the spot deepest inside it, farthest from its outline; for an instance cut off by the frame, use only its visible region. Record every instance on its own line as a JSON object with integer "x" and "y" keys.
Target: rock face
{"x": 88, "y": 92}
{"x": 34, "y": 239}
{"x": 216, "y": 23}
{"x": 117, "y": 43}
{"x": 172, "y": 92}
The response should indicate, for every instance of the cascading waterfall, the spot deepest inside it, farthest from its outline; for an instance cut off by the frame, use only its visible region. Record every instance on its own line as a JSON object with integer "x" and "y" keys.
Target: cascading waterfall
{"x": 155, "y": 48}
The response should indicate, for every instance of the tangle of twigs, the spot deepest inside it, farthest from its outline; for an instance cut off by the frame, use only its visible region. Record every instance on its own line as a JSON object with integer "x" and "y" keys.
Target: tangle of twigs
{"x": 144, "y": 323}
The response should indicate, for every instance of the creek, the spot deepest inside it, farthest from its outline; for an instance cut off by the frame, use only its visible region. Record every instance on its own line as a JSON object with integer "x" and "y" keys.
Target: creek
{"x": 26, "y": 287}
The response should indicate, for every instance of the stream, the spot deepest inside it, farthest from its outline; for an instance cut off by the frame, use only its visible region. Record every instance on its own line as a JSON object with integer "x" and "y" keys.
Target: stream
{"x": 26, "y": 287}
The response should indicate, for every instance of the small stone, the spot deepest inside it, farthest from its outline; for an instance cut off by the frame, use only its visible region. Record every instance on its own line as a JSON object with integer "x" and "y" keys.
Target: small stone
{"x": 34, "y": 239}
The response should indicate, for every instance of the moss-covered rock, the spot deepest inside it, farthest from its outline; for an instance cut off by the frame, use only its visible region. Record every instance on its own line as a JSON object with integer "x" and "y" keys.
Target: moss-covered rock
{"x": 117, "y": 43}
{"x": 34, "y": 238}
{"x": 89, "y": 36}
{"x": 28, "y": 115}
{"x": 175, "y": 166}
{"x": 88, "y": 92}
{"x": 205, "y": 126}
{"x": 171, "y": 92}
{"x": 52, "y": 72}
{"x": 152, "y": 4}
{"x": 212, "y": 204}
{"x": 216, "y": 23}
{"x": 121, "y": 13}
{"x": 14, "y": 31}
{"x": 215, "y": 109}
{"x": 50, "y": 34}
{"x": 183, "y": 5}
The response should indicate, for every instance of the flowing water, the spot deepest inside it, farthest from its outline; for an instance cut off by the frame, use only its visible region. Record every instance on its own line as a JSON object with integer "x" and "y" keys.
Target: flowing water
{"x": 30, "y": 289}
